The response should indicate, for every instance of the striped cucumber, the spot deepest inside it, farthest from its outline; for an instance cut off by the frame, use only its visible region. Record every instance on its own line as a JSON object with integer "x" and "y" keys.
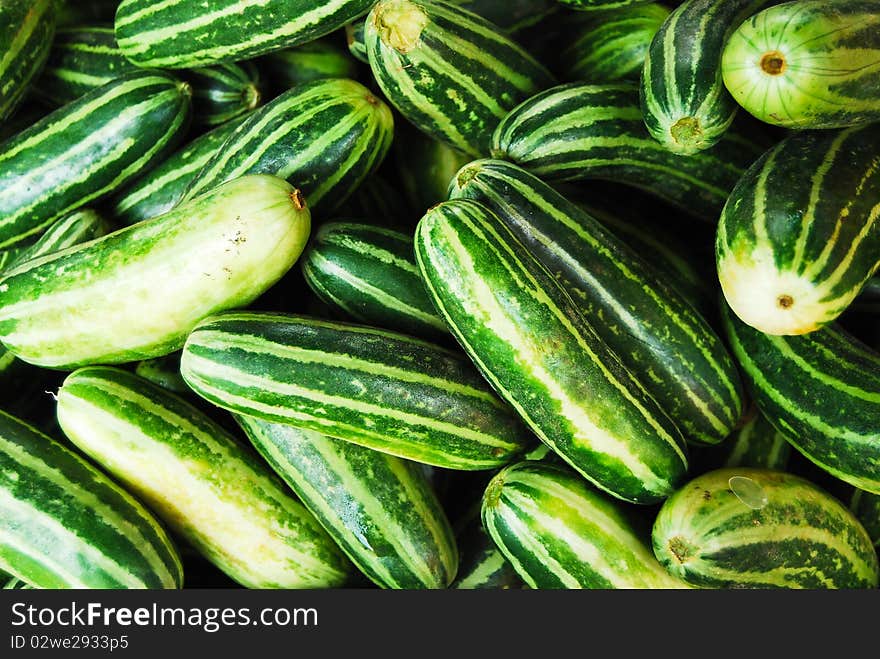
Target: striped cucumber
{"x": 222, "y": 499}
{"x": 224, "y": 92}
{"x": 379, "y": 389}
{"x": 651, "y": 327}
{"x": 581, "y": 131}
{"x": 87, "y": 148}
{"x": 557, "y": 532}
{"x": 807, "y": 64}
{"x": 82, "y": 58}
{"x": 683, "y": 99}
{"x": 757, "y": 444}
{"x": 316, "y": 60}
{"x": 178, "y": 34}
{"x": 370, "y": 274}
{"x": 160, "y": 188}
{"x": 354, "y": 38}
{"x": 821, "y": 390}
{"x": 481, "y": 564}
{"x": 324, "y": 137}
{"x": 610, "y": 46}
{"x": 27, "y": 28}
{"x": 379, "y": 508}
{"x": 529, "y": 340}
{"x": 137, "y": 292}
{"x": 67, "y": 525}
{"x": 447, "y": 70}
{"x": 759, "y": 528}
{"x": 800, "y": 234}
{"x": 866, "y": 507}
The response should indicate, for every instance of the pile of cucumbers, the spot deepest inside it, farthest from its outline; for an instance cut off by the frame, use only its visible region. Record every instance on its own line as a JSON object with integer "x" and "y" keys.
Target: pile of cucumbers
{"x": 439, "y": 294}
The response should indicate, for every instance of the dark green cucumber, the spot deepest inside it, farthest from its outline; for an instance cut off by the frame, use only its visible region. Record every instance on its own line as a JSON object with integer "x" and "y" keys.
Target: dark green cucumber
{"x": 324, "y": 137}
{"x": 67, "y": 525}
{"x": 379, "y": 508}
{"x": 87, "y": 148}
{"x": 557, "y": 532}
{"x": 866, "y": 507}
{"x": 27, "y": 28}
{"x": 316, "y": 60}
{"x": 82, "y": 58}
{"x": 800, "y": 234}
{"x": 448, "y": 71}
{"x": 683, "y": 99}
{"x": 807, "y": 64}
{"x": 177, "y": 34}
{"x": 821, "y": 390}
{"x": 612, "y": 45}
{"x": 380, "y": 389}
{"x": 581, "y": 131}
{"x": 354, "y": 38}
{"x": 223, "y": 92}
{"x": 160, "y": 189}
{"x": 222, "y": 499}
{"x": 757, "y": 444}
{"x": 369, "y": 273}
{"x": 759, "y": 528}
{"x": 165, "y": 372}
{"x": 530, "y": 341}
{"x": 137, "y": 292}
{"x": 652, "y": 328}
{"x": 424, "y": 167}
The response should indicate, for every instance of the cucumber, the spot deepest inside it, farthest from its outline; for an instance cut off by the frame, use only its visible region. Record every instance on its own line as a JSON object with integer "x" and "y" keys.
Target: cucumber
{"x": 807, "y": 64}
{"x": 324, "y": 137}
{"x": 315, "y": 60}
{"x": 658, "y": 336}
{"x": 379, "y": 389}
{"x": 223, "y": 92}
{"x": 529, "y": 340}
{"x": 559, "y": 533}
{"x": 757, "y": 444}
{"x": 164, "y": 371}
{"x": 223, "y": 500}
{"x": 611, "y": 45}
{"x": 482, "y": 566}
{"x": 82, "y": 58}
{"x": 759, "y": 528}
{"x": 27, "y": 28}
{"x": 160, "y": 188}
{"x": 448, "y": 71}
{"x": 821, "y": 390}
{"x": 380, "y": 509}
{"x": 369, "y": 273}
{"x": 355, "y": 40}
{"x": 137, "y": 292}
{"x": 799, "y": 236}
{"x": 580, "y": 131}
{"x": 866, "y": 507}
{"x": 67, "y": 525}
{"x": 87, "y": 148}
{"x": 683, "y": 99}
{"x": 178, "y": 34}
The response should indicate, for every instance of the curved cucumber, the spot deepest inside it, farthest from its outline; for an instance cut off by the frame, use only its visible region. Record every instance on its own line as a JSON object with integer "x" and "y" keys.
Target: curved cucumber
{"x": 380, "y": 509}
{"x": 137, "y": 292}
{"x": 759, "y": 528}
{"x": 223, "y": 500}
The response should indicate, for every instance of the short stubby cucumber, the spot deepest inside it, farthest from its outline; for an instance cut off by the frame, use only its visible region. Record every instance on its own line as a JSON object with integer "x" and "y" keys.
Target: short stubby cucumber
{"x": 377, "y": 388}
{"x": 88, "y": 148}
{"x": 27, "y": 28}
{"x": 370, "y": 274}
{"x": 448, "y": 71}
{"x": 683, "y": 99}
{"x": 325, "y": 137}
{"x": 221, "y": 498}
{"x": 651, "y": 327}
{"x": 581, "y": 131}
{"x": 821, "y": 390}
{"x": 67, "y": 525}
{"x": 530, "y": 341}
{"x": 137, "y": 292}
{"x": 800, "y": 233}
{"x": 224, "y": 92}
{"x": 178, "y": 34}
{"x": 379, "y": 508}
{"x": 808, "y": 64}
{"x": 759, "y": 528}
{"x": 557, "y": 532}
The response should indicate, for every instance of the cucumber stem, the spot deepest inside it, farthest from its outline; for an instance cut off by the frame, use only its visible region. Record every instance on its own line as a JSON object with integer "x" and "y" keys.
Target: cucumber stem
{"x": 400, "y": 24}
